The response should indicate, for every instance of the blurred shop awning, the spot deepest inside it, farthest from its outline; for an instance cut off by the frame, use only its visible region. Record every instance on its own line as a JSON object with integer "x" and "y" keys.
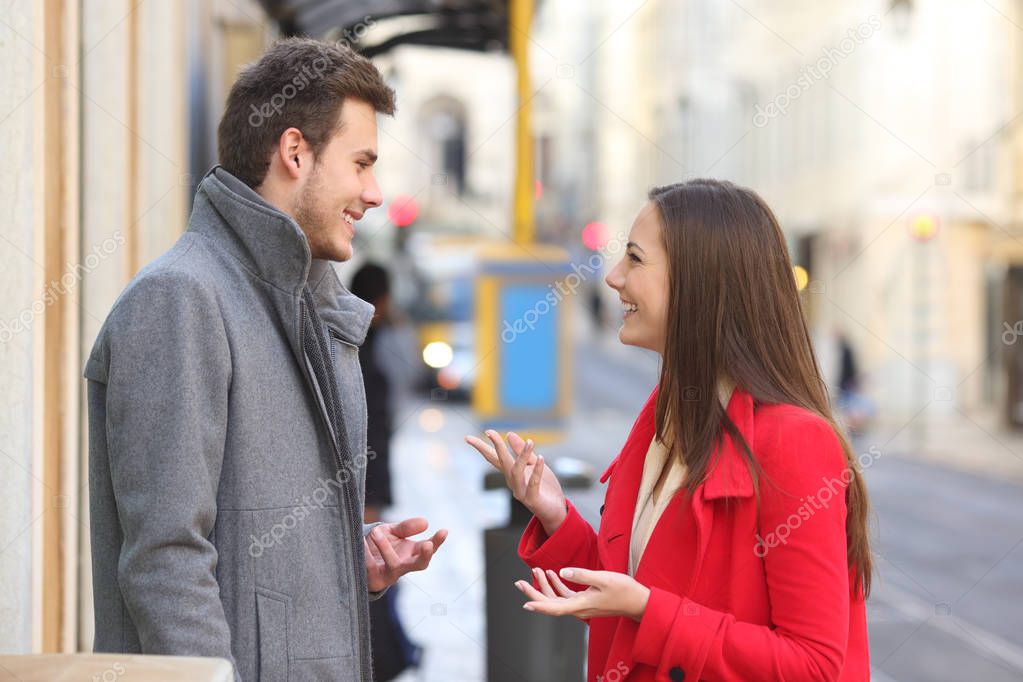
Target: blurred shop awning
{"x": 375, "y": 26}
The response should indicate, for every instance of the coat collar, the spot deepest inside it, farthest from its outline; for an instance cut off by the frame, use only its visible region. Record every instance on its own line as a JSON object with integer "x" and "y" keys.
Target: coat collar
{"x": 728, "y": 474}
{"x": 272, "y": 246}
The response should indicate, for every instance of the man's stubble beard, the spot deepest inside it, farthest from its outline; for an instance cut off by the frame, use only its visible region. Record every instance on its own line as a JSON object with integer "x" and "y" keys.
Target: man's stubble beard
{"x": 315, "y": 221}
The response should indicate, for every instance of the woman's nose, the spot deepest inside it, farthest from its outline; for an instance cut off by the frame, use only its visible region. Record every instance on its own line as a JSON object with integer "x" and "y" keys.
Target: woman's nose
{"x": 613, "y": 278}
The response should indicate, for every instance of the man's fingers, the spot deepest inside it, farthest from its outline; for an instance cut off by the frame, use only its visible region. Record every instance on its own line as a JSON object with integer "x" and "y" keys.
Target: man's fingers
{"x": 559, "y": 586}
{"x": 438, "y": 538}
{"x": 409, "y": 527}
{"x": 424, "y": 552}
{"x": 371, "y": 550}
{"x": 387, "y": 552}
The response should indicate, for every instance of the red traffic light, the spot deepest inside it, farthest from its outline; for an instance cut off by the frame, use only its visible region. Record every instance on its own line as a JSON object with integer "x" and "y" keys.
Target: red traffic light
{"x": 595, "y": 236}
{"x": 402, "y": 210}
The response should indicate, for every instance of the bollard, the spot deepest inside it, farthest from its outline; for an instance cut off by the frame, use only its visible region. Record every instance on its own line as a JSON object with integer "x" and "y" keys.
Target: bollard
{"x": 522, "y": 645}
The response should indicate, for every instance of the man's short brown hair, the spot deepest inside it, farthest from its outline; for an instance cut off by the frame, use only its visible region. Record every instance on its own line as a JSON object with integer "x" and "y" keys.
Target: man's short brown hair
{"x": 300, "y": 83}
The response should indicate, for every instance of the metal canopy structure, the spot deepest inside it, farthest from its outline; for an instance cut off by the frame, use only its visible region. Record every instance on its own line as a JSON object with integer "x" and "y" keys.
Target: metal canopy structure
{"x": 479, "y": 25}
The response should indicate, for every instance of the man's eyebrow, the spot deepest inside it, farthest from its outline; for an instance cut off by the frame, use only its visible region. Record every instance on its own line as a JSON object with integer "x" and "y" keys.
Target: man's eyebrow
{"x": 636, "y": 246}
{"x": 368, "y": 153}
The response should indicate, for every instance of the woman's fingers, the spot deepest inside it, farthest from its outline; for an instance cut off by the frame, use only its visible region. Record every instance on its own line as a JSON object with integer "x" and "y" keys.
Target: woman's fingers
{"x": 545, "y": 586}
{"x": 559, "y": 586}
{"x": 516, "y": 443}
{"x": 484, "y": 449}
{"x": 504, "y": 458}
{"x": 531, "y": 592}
{"x": 575, "y": 606}
{"x": 519, "y": 468}
{"x": 534, "y": 480}
{"x": 583, "y": 576}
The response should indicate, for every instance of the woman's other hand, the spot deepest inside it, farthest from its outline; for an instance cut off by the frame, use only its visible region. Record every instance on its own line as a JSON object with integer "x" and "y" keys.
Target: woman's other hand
{"x": 608, "y": 594}
{"x": 526, "y": 475}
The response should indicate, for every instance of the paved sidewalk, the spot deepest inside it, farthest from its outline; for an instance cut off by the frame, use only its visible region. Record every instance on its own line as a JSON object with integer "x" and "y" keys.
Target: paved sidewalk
{"x": 438, "y": 476}
{"x": 974, "y": 442}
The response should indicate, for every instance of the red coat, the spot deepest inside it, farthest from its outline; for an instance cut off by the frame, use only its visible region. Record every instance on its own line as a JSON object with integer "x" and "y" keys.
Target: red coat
{"x": 725, "y": 604}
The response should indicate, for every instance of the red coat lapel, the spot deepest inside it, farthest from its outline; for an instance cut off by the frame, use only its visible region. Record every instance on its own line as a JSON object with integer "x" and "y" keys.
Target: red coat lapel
{"x": 626, "y": 473}
{"x": 728, "y": 476}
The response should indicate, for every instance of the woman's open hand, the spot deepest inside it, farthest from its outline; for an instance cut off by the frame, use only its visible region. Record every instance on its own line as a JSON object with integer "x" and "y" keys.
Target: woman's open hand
{"x": 526, "y": 475}
{"x": 608, "y": 594}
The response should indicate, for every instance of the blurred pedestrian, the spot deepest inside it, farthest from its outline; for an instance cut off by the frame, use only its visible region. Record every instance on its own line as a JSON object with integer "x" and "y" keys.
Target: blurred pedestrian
{"x": 854, "y": 405}
{"x": 733, "y": 540}
{"x": 596, "y": 306}
{"x": 372, "y": 284}
{"x": 393, "y": 652}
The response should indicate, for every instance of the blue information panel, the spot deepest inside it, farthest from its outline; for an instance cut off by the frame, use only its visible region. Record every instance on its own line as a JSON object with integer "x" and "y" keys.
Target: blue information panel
{"x": 529, "y": 373}
{"x": 523, "y": 379}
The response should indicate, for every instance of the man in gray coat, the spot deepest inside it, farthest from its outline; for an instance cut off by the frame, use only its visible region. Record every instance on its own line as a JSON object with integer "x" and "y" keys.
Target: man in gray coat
{"x": 227, "y": 420}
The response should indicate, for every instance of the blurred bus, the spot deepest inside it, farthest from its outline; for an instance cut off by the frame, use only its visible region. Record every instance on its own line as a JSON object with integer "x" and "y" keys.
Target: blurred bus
{"x": 443, "y": 274}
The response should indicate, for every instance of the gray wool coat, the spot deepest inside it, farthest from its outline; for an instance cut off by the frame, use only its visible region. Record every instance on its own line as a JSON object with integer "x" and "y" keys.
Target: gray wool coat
{"x": 219, "y": 523}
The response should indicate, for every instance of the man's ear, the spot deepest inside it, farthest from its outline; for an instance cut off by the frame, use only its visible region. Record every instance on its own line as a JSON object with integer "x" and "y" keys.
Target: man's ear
{"x": 292, "y": 148}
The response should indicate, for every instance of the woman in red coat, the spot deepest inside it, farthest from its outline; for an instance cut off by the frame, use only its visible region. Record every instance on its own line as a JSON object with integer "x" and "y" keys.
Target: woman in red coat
{"x": 733, "y": 540}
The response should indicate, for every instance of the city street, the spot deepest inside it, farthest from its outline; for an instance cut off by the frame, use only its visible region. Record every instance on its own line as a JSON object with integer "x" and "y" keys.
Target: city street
{"x": 948, "y": 544}
{"x": 203, "y": 200}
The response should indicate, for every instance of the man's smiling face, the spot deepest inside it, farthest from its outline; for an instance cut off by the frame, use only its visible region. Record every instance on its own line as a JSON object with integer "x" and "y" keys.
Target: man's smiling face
{"x": 341, "y": 186}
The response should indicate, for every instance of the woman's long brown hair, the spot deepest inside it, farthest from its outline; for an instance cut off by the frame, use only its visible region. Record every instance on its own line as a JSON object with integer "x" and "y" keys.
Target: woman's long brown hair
{"x": 734, "y": 312}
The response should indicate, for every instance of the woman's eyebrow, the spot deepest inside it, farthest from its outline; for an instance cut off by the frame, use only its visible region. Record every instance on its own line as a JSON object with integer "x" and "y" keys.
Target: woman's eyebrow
{"x": 636, "y": 246}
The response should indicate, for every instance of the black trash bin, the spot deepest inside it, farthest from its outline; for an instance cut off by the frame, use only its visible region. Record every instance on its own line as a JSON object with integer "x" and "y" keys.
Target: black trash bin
{"x": 524, "y": 646}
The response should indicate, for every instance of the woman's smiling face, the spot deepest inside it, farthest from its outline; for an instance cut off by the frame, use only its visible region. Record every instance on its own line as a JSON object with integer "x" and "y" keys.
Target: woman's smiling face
{"x": 641, "y": 280}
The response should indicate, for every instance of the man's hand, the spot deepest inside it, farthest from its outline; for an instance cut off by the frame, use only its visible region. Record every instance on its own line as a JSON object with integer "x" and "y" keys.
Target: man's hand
{"x": 390, "y": 553}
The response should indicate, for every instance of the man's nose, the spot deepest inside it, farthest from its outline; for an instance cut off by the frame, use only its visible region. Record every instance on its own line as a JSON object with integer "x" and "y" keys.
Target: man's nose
{"x": 371, "y": 195}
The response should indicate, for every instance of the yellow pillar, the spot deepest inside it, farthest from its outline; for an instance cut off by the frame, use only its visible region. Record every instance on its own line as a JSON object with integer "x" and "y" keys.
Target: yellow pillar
{"x": 520, "y": 23}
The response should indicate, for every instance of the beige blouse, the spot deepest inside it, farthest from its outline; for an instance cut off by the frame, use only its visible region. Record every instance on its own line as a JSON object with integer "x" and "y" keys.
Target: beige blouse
{"x": 649, "y": 507}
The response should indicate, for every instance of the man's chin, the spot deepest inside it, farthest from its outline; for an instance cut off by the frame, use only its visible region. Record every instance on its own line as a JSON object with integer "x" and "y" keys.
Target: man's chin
{"x": 338, "y": 253}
